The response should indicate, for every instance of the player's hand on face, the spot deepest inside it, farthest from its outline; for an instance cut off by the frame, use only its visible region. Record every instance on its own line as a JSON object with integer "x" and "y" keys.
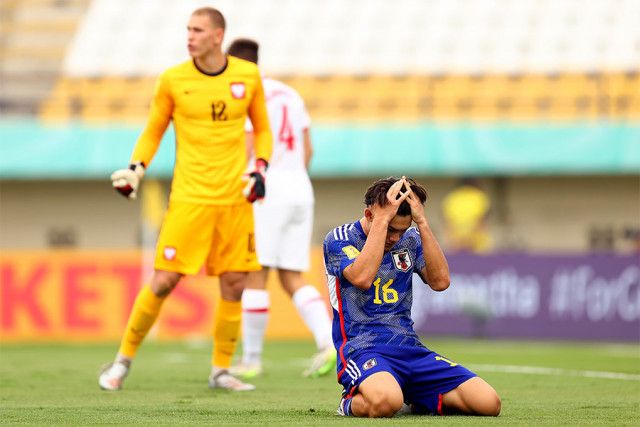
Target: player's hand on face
{"x": 417, "y": 210}
{"x": 395, "y": 196}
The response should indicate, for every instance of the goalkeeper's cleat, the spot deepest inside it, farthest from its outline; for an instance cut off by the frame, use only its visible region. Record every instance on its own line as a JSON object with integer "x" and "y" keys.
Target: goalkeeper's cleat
{"x": 112, "y": 376}
{"x": 246, "y": 371}
{"x": 322, "y": 363}
{"x": 223, "y": 379}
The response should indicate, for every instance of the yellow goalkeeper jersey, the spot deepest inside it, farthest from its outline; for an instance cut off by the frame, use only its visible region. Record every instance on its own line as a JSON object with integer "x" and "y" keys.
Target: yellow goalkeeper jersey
{"x": 208, "y": 113}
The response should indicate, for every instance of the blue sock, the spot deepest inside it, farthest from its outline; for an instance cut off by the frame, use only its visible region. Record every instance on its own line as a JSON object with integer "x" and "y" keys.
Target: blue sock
{"x": 346, "y": 407}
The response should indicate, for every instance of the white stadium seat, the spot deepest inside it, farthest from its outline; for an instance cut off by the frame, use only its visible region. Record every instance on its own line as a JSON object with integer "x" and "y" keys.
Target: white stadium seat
{"x": 124, "y": 38}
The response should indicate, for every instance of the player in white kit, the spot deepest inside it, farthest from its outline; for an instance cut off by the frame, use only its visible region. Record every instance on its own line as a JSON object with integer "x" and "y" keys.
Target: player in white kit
{"x": 283, "y": 223}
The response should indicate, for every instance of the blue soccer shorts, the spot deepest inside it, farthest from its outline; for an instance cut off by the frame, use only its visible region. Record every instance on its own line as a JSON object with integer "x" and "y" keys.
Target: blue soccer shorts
{"x": 424, "y": 376}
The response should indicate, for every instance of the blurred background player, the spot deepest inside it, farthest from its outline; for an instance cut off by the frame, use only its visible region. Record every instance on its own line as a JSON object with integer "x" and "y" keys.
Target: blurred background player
{"x": 283, "y": 225}
{"x": 465, "y": 210}
{"x": 208, "y": 220}
{"x": 370, "y": 264}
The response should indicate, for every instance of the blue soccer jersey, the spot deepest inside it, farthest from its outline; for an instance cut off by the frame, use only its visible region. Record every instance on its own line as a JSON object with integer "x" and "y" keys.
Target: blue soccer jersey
{"x": 380, "y": 315}
{"x": 373, "y": 330}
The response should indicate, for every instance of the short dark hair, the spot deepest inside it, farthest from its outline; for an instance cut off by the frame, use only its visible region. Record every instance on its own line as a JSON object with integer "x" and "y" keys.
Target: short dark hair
{"x": 246, "y": 49}
{"x": 214, "y": 14}
{"x": 377, "y": 194}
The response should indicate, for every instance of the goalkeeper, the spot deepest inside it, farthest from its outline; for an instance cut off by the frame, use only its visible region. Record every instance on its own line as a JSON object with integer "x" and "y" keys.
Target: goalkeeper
{"x": 209, "y": 219}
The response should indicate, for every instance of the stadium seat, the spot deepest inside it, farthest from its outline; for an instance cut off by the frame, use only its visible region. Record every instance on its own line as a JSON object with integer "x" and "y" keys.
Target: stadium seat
{"x": 374, "y": 59}
{"x": 35, "y": 35}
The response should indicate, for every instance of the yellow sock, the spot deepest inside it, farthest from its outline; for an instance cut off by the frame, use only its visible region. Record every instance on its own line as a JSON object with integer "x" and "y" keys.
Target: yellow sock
{"x": 142, "y": 317}
{"x": 225, "y": 332}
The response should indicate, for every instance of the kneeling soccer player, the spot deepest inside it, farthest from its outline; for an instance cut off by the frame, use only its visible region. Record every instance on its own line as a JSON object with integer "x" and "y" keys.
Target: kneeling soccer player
{"x": 381, "y": 362}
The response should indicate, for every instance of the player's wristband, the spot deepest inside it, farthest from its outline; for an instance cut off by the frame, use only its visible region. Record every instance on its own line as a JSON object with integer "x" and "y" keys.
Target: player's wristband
{"x": 139, "y": 168}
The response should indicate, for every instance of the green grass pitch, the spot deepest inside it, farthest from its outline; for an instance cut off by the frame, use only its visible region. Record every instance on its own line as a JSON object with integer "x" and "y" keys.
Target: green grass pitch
{"x": 541, "y": 383}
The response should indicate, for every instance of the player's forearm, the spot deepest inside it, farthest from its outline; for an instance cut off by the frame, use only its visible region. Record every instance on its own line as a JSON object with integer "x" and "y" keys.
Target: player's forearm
{"x": 436, "y": 272}
{"x": 363, "y": 271}
{"x": 263, "y": 141}
{"x": 150, "y": 139}
{"x": 308, "y": 148}
{"x": 263, "y": 144}
{"x": 249, "y": 144}
{"x": 146, "y": 148}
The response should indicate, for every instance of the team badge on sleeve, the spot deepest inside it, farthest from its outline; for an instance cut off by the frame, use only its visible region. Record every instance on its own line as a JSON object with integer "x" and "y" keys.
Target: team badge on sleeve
{"x": 369, "y": 364}
{"x": 169, "y": 253}
{"x": 351, "y": 252}
{"x": 402, "y": 260}
{"x": 238, "y": 90}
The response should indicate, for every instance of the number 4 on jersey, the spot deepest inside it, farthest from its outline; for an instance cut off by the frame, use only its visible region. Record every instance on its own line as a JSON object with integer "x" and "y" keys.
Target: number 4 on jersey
{"x": 285, "y": 134}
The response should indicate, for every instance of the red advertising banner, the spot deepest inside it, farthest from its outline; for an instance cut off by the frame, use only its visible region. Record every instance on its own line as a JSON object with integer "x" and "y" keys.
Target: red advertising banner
{"x": 87, "y": 295}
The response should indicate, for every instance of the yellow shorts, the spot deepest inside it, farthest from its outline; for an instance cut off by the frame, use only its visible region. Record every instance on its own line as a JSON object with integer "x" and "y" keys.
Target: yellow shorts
{"x": 221, "y": 236}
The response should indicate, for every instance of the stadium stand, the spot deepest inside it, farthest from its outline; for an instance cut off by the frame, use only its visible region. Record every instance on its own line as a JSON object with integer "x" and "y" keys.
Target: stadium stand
{"x": 34, "y": 35}
{"x": 374, "y": 59}
{"x": 513, "y": 97}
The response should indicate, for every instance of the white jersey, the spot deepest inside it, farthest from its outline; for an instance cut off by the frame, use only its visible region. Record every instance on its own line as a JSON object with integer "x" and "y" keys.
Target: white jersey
{"x": 287, "y": 178}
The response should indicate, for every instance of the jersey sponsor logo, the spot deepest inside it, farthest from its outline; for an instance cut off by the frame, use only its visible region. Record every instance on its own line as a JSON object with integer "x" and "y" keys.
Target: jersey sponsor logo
{"x": 169, "y": 253}
{"x": 238, "y": 90}
{"x": 351, "y": 252}
{"x": 369, "y": 364}
{"x": 402, "y": 260}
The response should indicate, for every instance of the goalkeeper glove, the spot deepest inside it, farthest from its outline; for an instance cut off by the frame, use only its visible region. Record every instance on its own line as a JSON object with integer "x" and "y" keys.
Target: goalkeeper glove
{"x": 127, "y": 181}
{"x": 255, "y": 188}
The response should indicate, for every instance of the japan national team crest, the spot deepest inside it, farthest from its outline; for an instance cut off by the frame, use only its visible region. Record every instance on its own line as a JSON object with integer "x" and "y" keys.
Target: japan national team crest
{"x": 169, "y": 253}
{"x": 238, "y": 90}
{"x": 402, "y": 260}
{"x": 369, "y": 364}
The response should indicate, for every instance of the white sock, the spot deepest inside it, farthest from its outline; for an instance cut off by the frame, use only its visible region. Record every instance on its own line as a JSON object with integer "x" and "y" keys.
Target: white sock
{"x": 313, "y": 310}
{"x": 126, "y": 361}
{"x": 255, "y": 313}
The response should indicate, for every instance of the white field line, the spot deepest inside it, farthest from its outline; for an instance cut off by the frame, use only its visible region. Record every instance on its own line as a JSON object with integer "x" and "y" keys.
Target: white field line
{"x": 538, "y": 370}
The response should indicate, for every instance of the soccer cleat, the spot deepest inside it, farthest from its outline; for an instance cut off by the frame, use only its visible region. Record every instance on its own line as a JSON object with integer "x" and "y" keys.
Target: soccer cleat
{"x": 246, "y": 370}
{"x": 112, "y": 376}
{"x": 405, "y": 410}
{"x": 322, "y": 363}
{"x": 223, "y": 379}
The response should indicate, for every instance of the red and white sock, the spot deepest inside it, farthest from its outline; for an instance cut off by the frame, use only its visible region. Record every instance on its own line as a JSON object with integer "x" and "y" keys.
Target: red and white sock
{"x": 313, "y": 310}
{"x": 255, "y": 314}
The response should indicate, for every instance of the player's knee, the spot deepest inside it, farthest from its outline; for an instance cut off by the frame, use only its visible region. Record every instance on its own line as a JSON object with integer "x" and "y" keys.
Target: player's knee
{"x": 384, "y": 405}
{"x": 494, "y": 406}
{"x": 163, "y": 283}
{"x": 489, "y": 405}
{"x": 232, "y": 284}
{"x": 382, "y": 410}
